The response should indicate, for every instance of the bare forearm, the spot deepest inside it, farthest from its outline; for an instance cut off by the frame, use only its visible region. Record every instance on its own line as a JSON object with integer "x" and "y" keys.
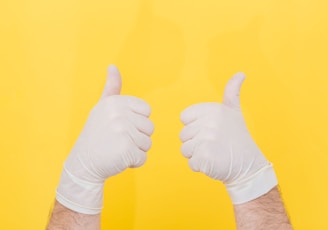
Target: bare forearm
{"x": 266, "y": 212}
{"x": 63, "y": 218}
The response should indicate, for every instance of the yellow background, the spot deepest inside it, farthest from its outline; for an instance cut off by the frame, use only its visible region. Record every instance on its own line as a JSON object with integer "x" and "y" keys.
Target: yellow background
{"x": 172, "y": 53}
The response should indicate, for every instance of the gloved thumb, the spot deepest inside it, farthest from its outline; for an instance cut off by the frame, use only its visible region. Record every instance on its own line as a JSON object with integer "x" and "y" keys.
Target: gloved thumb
{"x": 232, "y": 91}
{"x": 113, "y": 83}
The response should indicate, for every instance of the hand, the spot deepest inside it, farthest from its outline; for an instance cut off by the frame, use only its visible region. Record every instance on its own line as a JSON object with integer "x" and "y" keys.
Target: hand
{"x": 217, "y": 143}
{"x": 116, "y": 136}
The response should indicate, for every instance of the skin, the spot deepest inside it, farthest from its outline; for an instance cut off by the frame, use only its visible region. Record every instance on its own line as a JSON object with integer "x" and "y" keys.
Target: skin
{"x": 63, "y": 218}
{"x": 266, "y": 212}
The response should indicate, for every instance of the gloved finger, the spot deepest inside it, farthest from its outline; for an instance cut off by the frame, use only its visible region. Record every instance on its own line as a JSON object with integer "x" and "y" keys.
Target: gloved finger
{"x": 139, "y": 157}
{"x": 232, "y": 91}
{"x": 196, "y": 111}
{"x": 113, "y": 83}
{"x": 137, "y": 105}
{"x": 143, "y": 124}
{"x": 194, "y": 164}
{"x": 188, "y": 148}
{"x": 190, "y": 131}
{"x": 141, "y": 140}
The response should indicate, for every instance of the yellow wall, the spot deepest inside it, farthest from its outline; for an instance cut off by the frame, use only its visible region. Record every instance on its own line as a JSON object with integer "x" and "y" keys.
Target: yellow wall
{"x": 172, "y": 53}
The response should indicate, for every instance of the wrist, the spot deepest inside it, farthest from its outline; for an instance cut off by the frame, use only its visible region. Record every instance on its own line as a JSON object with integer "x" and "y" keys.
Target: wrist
{"x": 254, "y": 186}
{"x": 78, "y": 194}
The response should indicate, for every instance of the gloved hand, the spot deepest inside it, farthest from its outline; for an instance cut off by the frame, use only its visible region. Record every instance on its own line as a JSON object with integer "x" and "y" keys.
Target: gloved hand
{"x": 216, "y": 141}
{"x": 116, "y": 136}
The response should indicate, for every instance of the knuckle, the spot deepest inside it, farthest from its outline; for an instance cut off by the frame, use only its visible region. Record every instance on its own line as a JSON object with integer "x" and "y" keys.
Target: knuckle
{"x": 182, "y": 135}
{"x": 141, "y": 159}
{"x": 151, "y": 127}
{"x": 193, "y": 165}
{"x": 184, "y": 150}
{"x": 148, "y": 144}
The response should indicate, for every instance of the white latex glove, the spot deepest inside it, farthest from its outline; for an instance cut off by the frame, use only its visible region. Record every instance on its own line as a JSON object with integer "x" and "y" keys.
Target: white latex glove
{"x": 216, "y": 141}
{"x": 116, "y": 136}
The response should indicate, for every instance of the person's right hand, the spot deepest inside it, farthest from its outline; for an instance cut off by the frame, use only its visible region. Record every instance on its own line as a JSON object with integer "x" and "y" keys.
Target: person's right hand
{"x": 116, "y": 136}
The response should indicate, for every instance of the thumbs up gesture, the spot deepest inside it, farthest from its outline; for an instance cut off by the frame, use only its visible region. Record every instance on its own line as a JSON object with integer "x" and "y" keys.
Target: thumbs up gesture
{"x": 116, "y": 136}
{"x": 217, "y": 143}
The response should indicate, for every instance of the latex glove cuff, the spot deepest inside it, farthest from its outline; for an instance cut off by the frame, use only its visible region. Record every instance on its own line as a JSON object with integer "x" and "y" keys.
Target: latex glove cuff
{"x": 79, "y": 195}
{"x": 253, "y": 187}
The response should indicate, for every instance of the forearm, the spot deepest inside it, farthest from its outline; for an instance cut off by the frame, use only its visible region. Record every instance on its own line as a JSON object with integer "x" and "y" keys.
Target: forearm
{"x": 266, "y": 212}
{"x": 63, "y": 218}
